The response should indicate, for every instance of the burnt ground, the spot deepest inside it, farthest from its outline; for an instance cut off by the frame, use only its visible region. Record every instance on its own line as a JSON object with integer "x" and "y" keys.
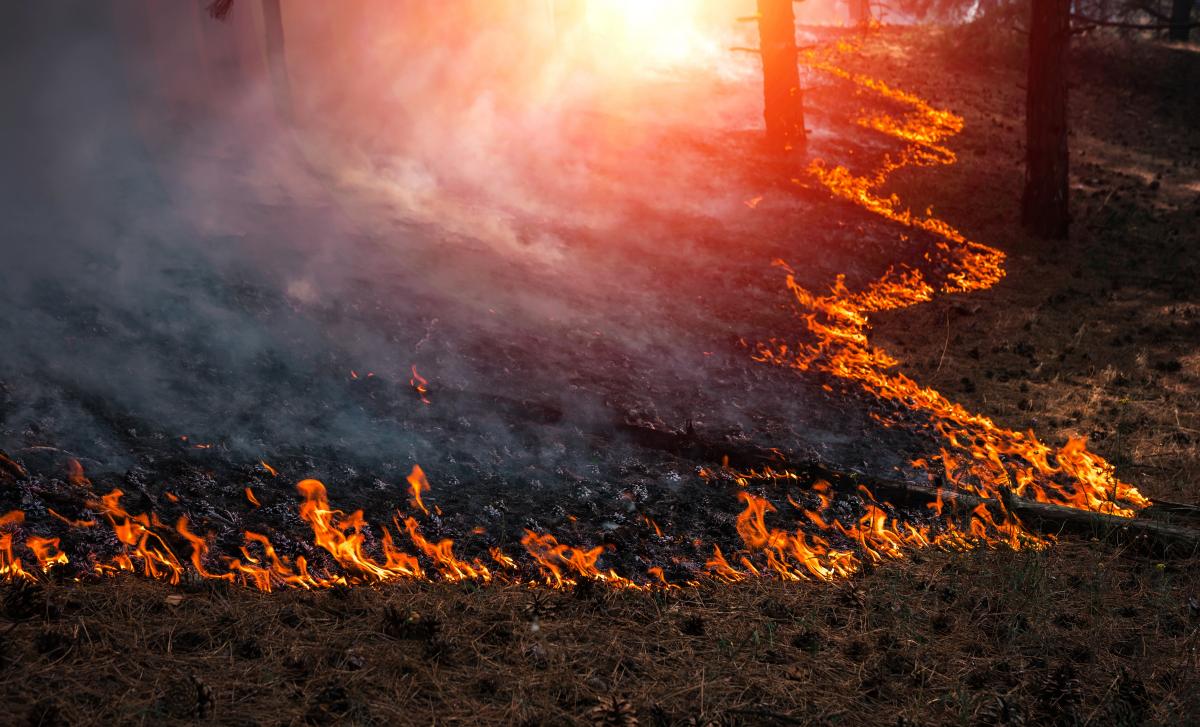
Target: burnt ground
{"x": 1090, "y": 337}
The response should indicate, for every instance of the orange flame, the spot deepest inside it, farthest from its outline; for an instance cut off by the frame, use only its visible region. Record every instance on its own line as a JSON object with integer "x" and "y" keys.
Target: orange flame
{"x": 418, "y": 483}
{"x": 838, "y": 323}
{"x": 419, "y": 385}
{"x": 75, "y": 474}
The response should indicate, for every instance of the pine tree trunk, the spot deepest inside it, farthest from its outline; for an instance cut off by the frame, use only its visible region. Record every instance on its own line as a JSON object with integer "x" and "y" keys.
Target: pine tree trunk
{"x": 281, "y": 84}
{"x": 1181, "y": 16}
{"x": 783, "y": 99}
{"x": 1044, "y": 204}
{"x": 860, "y": 13}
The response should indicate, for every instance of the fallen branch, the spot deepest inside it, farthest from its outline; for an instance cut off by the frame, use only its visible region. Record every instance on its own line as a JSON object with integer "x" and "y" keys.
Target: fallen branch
{"x": 1163, "y": 539}
{"x": 1097, "y": 23}
{"x": 1160, "y": 538}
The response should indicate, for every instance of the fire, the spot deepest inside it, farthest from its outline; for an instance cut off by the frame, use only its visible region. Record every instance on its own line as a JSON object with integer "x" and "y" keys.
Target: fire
{"x": 418, "y": 484}
{"x": 822, "y": 542}
{"x": 419, "y": 385}
{"x": 989, "y": 457}
{"x": 75, "y": 474}
{"x": 562, "y": 565}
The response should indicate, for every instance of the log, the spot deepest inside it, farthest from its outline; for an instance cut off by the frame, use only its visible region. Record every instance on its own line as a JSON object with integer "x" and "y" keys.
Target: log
{"x": 1160, "y": 538}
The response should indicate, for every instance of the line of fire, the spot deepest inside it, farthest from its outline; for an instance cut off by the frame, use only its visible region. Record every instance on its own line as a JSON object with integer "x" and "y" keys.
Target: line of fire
{"x": 603, "y": 362}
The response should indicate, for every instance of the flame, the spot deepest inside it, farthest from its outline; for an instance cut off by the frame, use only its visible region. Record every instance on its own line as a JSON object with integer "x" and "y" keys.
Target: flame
{"x": 10, "y": 564}
{"x": 992, "y": 457}
{"x": 70, "y": 522}
{"x": 879, "y": 536}
{"x": 419, "y": 385}
{"x": 47, "y": 552}
{"x": 75, "y": 474}
{"x": 139, "y": 541}
{"x": 418, "y": 483}
{"x": 720, "y": 568}
{"x": 562, "y": 565}
{"x": 253, "y": 500}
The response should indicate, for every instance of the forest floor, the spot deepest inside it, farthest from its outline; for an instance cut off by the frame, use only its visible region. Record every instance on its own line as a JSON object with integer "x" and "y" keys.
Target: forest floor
{"x": 1096, "y": 336}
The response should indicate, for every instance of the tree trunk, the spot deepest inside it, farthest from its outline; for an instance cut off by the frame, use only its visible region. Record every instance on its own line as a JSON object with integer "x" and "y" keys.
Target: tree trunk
{"x": 1044, "y": 204}
{"x": 860, "y": 13}
{"x": 281, "y": 84}
{"x": 1181, "y": 16}
{"x": 782, "y": 95}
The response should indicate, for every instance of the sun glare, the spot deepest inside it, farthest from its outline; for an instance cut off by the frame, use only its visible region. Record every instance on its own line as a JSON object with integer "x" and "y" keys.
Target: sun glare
{"x": 644, "y": 34}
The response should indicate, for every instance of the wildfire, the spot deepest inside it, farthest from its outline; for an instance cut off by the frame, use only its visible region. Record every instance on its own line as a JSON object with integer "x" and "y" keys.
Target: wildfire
{"x": 822, "y": 542}
{"x": 988, "y": 457}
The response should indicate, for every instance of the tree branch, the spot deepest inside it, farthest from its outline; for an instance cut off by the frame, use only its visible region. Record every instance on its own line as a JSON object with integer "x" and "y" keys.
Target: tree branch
{"x": 219, "y": 9}
{"x": 1097, "y": 23}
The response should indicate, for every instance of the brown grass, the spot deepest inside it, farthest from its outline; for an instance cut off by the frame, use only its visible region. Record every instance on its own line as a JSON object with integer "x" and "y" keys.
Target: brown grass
{"x": 949, "y": 639}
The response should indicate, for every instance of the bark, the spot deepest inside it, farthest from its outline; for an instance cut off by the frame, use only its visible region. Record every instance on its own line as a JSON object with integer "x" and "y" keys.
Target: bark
{"x": 281, "y": 85}
{"x": 1044, "y": 204}
{"x": 860, "y": 13}
{"x": 1181, "y": 15}
{"x": 783, "y": 99}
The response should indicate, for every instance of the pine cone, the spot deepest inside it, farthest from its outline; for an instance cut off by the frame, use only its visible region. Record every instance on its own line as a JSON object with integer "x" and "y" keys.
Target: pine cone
{"x": 1059, "y": 698}
{"x": 202, "y": 709}
{"x": 410, "y": 626}
{"x": 999, "y": 712}
{"x": 613, "y": 712}
{"x": 23, "y": 601}
{"x": 1129, "y": 701}
{"x": 541, "y": 605}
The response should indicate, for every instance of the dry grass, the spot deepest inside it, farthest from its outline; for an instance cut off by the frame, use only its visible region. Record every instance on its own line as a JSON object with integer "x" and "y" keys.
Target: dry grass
{"x": 1074, "y": 633}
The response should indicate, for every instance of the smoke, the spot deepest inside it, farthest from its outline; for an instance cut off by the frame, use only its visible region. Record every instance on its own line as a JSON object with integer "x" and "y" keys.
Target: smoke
{"x": 537, "y": 213}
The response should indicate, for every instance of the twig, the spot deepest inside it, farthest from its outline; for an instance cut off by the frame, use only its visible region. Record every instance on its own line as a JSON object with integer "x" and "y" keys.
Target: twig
{"x": 945, "y": 345}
